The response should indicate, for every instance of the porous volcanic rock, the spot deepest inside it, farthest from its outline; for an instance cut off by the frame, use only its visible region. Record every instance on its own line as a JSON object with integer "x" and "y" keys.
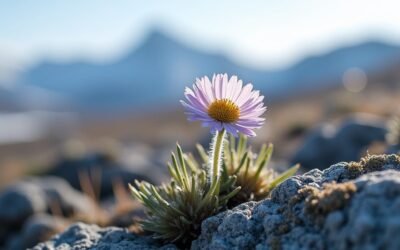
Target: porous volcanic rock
{"x": 353, "y": 205}
{"x": 347, "y": 206}
{"x": 83, "y": 236}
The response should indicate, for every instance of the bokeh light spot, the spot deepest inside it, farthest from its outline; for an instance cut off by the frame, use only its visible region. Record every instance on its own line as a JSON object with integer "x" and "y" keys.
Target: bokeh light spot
{"x": 355, "y": 80}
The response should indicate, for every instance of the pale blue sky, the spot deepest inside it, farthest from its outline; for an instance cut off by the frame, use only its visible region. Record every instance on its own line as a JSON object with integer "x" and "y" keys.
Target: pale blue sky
{"x": 261, "y": 33}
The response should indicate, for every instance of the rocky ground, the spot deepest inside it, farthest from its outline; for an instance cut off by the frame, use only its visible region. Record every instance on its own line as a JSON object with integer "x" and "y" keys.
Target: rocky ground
{"x": 353, "y": 205}
{"x": 90, "y": 188}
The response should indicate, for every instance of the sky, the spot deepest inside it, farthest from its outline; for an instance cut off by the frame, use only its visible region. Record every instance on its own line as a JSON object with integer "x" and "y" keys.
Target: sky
{"x": 258, "y": 33}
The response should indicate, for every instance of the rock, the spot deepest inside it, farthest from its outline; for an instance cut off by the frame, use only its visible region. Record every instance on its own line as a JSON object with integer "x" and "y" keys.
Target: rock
{"x": 40, "y": 195}
{"x": 37, "y": 229}
{"x": 347, "y": 206}
{"x": 82, "y": 236}
{"x": 20, "y": 201}
{"x": 327, "y": 144}
{"x": 31, "y": 196}
{"x": 352, "y": 205}
{"x": 104, "y": 167}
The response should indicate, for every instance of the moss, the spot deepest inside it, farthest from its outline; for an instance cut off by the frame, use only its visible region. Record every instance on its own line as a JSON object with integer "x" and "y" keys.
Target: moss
{"x": 332, "y": 197}
{"x": 355, "y": 169}
{"x": 302, "y": 194}
{"x": 289, "y": 210}
{"x": 371, "y": 163}
{"x": 317, "y": 203}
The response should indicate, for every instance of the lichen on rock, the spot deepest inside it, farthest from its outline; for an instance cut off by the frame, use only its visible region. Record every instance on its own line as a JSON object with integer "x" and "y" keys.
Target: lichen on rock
{"x": 333, "y": 196}
{"x": 372, "y": 163}
{"x": 312, "y": 212}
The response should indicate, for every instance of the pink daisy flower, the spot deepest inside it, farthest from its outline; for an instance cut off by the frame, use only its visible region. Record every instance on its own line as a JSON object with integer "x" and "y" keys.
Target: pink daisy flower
{"x": 225, "y": 104}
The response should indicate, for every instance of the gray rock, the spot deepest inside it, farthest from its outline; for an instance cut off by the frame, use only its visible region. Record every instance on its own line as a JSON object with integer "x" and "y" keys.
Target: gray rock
{"x": 20, "y": 201}
{"x": 370, "y": 219}
{"x": 40, "y": 195}
{"x": 81, "y": 236}
{"x": 37, "y": 229}
{"x": 327, "y": 144}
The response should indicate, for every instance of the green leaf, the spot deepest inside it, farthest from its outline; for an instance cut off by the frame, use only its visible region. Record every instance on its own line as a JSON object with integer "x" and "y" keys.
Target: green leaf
{"x": 192, "y": 163}
{"x": 243, "y": 161}
{"x": 282, "y": 177}
{"x": 230, "y": 195}
{"x": 241, "y": 144}
{"x": 182, "y": 160}
{"x": 202, "y": 152}
{"x": 178, "y": 171}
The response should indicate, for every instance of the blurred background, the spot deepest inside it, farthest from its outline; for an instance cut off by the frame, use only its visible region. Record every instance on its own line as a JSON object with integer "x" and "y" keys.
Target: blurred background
{"x": 84, "y": 76}
{"x": 83, "y": 82}
{"x": 90, "y": 90}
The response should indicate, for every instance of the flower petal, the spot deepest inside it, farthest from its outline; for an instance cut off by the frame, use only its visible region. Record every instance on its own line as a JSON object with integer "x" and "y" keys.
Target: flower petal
{"x": 205, "y": 92}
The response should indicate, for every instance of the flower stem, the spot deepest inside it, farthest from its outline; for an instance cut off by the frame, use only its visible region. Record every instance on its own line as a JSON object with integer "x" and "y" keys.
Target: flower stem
{"x": 216, "y": 153}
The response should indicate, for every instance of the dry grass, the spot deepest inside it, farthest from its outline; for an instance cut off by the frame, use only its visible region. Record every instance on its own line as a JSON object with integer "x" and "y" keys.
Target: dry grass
{"x": 121, "y": 214}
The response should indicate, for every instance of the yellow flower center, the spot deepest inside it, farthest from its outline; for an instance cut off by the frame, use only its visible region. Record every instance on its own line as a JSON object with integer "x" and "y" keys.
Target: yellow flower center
{"x": 224, "y": 110}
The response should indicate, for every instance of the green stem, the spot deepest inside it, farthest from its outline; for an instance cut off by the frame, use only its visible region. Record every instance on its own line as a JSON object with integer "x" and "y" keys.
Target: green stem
{"x": 216, "y": 154}
{"x": 214, "y": 168}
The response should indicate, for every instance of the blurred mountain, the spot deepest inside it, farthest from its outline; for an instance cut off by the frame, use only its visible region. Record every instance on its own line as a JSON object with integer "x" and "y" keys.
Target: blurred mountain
{"x": 157, "y": 71}
{"x": 327, "y": 69}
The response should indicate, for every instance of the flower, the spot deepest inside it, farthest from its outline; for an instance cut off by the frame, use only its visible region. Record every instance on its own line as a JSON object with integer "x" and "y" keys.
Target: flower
{"x": 225, "y": 104}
